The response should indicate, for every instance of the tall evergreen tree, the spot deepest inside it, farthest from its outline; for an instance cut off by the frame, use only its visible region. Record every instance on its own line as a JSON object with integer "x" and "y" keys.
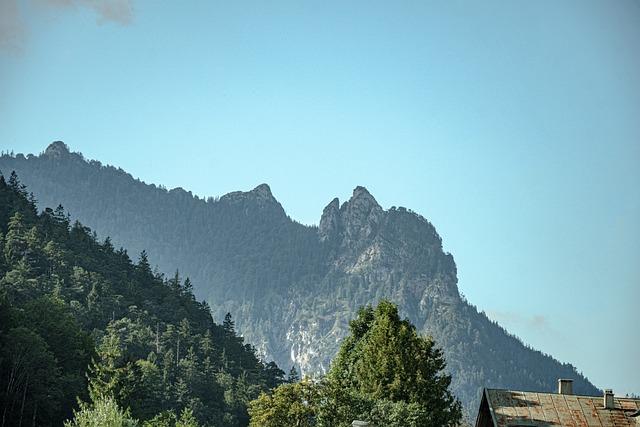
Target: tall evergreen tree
{"x": 384, "y": 359}
{"x": 385, "y": 373}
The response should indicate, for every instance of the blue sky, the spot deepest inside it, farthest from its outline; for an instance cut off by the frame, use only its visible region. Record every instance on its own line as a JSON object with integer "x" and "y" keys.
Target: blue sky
{"x": 514, "y": 127}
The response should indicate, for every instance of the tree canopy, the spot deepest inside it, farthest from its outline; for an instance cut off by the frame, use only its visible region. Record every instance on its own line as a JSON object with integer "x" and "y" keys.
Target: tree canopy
{"x": 385, "y": 373}
{"x": 80, "y": 321}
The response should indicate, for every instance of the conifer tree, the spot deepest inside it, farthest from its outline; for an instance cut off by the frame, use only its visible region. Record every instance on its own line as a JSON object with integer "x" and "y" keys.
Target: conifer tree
{"x": 293, "y": 376}
{"x": 385, "y": 373}
{"x": 385, "y": 360}
{"x": 104, "y": 412}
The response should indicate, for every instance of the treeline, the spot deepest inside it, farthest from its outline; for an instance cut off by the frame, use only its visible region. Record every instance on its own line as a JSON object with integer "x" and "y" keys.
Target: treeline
{"x": 80, "y": 321}
{"x": 253, "y": 245}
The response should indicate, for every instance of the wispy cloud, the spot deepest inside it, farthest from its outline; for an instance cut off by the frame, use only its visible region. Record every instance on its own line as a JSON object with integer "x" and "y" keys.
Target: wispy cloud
{"x": 115, "y": 11}
{"x": 14, "y": 30}
{"x": 536, "y": 322}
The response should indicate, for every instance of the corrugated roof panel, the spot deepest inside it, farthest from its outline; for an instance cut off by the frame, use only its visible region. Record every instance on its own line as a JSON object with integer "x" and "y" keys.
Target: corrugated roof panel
{"x": 549, "y": 409}
{"x": 605, "y": 417}
{"x": 562, "y": 410}
{"x": 628, "y": 404}
{"x": 619, "y": 419}
{"x": 521, "y": 406}
{"x": 590, "y": 414}
{"x": 536, "y": 408}
{"x": 504, "y": 408}
{"x": 575, "y": 409}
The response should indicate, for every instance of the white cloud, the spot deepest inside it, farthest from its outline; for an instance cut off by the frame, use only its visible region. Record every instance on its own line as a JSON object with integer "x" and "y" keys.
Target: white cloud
{"x": 508, "y": 319}
{"x": 14, "y": 30}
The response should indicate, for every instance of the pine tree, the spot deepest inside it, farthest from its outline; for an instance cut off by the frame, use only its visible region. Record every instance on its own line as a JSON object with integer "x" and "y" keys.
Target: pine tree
{"x": 385, "y": 373}
{"x": 114, "y": 374}
{"x": 293, "y": 376}
{"x": 385, "y": 360}
{"x": 104, "y": 412}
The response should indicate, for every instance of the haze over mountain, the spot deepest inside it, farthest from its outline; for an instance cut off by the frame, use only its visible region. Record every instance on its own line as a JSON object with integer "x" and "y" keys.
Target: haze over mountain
{"x": 292, "y": 288}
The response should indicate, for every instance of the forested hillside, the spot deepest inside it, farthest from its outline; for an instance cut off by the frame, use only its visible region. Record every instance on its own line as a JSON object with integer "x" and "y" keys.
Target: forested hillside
{"x": 80, "y": 320}
{"x": 293, "y": 288}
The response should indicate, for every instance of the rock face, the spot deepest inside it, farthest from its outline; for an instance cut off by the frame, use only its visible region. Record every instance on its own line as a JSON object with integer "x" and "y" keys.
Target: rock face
{"x": 330, "y": 222}
{"x": 56, "y": 149}
{"x": 261, "y": 195}
{"x": 353, "y": 222}
{"x": 371, "y": 254}
{"x": 360, "y": 217}
{"x": 292, "y": 289}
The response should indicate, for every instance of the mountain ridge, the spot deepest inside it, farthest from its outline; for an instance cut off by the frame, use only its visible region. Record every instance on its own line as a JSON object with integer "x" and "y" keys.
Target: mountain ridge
{"x": 293, "y": 288}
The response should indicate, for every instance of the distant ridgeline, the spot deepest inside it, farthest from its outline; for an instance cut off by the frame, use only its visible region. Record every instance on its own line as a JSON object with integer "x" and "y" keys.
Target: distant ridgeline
{"x": 293, "y": 288}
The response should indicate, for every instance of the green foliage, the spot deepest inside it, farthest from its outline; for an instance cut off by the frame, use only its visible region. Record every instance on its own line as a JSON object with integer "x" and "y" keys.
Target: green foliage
{"x": 169, "y": 419}
{"x": 113, "y": 375}
{"x": 79, "y": 321}
{"x": 293, "y": 404}
{"x": 384, "y": 373}
{"x": 104, "y": 412}
{"x": 43, "y": 355}
{"x": 402, "y": 414}
{"x": 71, "y": 347}
{"x": 30, "y": 377}
{"x": 293, "y": 376}
{"x": 385, "y": 359}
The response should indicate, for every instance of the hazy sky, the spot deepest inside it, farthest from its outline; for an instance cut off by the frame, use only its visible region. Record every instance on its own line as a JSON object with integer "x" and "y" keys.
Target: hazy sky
{"x": 513, "y": 126}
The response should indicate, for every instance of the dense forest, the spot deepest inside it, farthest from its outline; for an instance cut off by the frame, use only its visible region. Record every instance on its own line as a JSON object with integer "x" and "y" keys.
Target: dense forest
{"x": 293, "y": 288}
{"x": 79, "y": 320}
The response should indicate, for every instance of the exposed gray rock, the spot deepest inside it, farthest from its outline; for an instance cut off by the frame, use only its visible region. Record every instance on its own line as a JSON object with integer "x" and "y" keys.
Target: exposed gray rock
{"x": 56, "y": 149}
{"x": 329, "y": 226}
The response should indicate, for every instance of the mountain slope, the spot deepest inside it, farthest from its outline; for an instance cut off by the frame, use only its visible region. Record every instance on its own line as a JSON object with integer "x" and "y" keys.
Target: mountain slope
{"x": 294, "y": 288}
{"x": 80, "y": 320}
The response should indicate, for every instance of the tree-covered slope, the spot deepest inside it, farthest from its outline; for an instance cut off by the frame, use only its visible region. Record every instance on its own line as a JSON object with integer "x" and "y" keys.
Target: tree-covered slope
{"x": 80, "y": 320}
{"x": 294, "y": 288}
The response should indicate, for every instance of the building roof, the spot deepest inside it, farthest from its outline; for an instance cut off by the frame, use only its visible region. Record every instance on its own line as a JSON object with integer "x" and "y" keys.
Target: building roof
{"x": 510, "y": 408}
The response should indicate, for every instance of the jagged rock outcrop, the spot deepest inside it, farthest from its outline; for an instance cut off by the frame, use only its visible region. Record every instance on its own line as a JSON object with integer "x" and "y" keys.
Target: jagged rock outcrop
{"x": 260, "y": 199}
{"x": 329, "y": 227}
{"x": 374, "y": 253}
{"x": 359, "y": 217}
{"x": 353, "y": 222}
{"x": 56, "y": 149}
{"x": 261, "y": 195}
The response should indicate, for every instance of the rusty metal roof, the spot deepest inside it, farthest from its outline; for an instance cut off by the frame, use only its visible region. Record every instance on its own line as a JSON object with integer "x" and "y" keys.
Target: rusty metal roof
{"x": 523, "y": 408}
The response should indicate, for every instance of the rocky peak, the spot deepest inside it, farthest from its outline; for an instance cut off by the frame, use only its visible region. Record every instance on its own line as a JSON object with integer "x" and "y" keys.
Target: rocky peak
{"x": 355, "y": 219}
{"x": 263, "y": 194}
{"x": 362, "y": 202}
{"x": 260, "y": 196}
{"x": 57, "y": 149}
{"x": 360, "y": 191}
{"x": 361, "y": 214}
{"x": 330, "y": 221}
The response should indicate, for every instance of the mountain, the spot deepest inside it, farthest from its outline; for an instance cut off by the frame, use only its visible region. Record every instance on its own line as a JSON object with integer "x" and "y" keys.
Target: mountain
{"x": 80, "y": 320}
{"x": 293, "y": 288}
